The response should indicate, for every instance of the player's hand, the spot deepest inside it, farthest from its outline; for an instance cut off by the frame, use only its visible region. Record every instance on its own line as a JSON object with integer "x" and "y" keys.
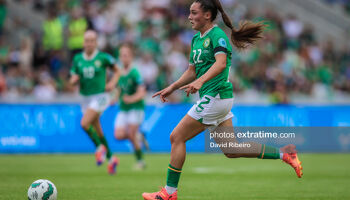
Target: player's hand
{"x": 109, "y": 87}
{"x": 192, "y": 87}
{"x": 128, "y": 99}
{"x": 163, "y": 94}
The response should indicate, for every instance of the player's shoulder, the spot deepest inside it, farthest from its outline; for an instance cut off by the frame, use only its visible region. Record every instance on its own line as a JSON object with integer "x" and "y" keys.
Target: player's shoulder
{"x": 103, "y": 54}
{"x": 106, "y": 56}
{"x": 135, "y": 70}
{"x": 217, "y": 32}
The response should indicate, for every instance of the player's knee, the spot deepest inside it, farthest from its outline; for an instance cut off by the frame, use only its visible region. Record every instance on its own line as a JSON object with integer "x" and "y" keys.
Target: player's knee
{"x": 175, "y": 138}
{"x": 84, "y": 125}
{"x": 119, "y": 134}
{"x": 132, "y": 132}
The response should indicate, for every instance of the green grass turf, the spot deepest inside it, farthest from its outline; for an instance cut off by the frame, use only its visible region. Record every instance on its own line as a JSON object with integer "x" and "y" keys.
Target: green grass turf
{"x": 205, "y": 176}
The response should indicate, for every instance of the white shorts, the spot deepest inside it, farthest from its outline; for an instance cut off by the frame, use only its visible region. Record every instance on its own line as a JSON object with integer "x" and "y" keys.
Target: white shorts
{"x": 131, "y": 117}
{"x": 98, "y": 102}
{"x": 211, "y": 110}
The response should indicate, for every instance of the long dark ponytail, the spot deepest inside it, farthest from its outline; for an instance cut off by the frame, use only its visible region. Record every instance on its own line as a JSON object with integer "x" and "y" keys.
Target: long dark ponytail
{"x": 248, "y": 32}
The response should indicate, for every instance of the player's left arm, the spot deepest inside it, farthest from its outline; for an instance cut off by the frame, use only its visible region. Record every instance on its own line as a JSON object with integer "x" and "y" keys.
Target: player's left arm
{"x": 215, "y": 69}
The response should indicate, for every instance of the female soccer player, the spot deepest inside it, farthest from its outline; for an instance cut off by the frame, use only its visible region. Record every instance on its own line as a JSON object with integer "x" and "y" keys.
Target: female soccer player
{"x": 210, "y": 60}
{"x": 89, "y": 69}
{"x": 132, "y": 92}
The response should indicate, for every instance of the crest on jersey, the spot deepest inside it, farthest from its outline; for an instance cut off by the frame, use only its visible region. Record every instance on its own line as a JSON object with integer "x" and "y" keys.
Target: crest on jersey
{"x": 206, "y": 42}
{"x": 98, "y": 63}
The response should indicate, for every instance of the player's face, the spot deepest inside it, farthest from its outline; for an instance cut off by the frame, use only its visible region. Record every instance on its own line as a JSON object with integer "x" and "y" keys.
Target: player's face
{"x": 125, "y": 55}
{"x": 90, "y": 42}
{"x": 198, "y": 17}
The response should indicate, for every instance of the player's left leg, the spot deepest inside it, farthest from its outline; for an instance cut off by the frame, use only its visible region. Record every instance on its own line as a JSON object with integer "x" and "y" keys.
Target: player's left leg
{"x": 287, "y": 153}
{"x": 120, "y": 126}
{"x": 187, "y": 128}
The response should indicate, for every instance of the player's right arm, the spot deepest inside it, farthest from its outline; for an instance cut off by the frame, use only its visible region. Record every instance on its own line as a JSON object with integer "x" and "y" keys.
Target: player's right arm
{"x": 187, "y": 77}
{"x": 74, "y": 72}
{"x": 74, "y": 79}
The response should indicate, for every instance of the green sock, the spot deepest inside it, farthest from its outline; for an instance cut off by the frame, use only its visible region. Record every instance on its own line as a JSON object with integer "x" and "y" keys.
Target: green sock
{"x": 173, "y": 177}
{"x": 268, "y": 152}
{"x": 104, "y": 142}
{"x": 93, "y": 136}
{"x": 138, "y": 154}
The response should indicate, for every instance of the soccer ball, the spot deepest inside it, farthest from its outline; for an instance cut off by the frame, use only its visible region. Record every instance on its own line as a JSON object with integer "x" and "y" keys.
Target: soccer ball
{"x": 42, "y": 190}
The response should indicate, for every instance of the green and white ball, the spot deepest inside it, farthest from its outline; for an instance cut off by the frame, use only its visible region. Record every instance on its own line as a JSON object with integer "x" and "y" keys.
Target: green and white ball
{"x": 42, "y": 190}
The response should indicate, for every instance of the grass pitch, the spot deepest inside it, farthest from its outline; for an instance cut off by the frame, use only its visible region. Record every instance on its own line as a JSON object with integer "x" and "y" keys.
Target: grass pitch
{"x": 204, "y": 177}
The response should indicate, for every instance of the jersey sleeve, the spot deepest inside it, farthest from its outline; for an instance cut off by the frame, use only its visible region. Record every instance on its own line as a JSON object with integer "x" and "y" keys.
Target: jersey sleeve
{"x": 110, "y": 61}
{"x": 138, "y": 78}
{"x": 74, "y": 68}
{"x": 220, "y": 43}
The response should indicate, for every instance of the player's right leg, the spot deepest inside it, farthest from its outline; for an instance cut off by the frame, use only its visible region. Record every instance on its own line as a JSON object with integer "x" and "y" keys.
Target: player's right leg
{"x": 184, "y": 131}
{"x": 86, "y": 123}
{"x": 104, "y": 151}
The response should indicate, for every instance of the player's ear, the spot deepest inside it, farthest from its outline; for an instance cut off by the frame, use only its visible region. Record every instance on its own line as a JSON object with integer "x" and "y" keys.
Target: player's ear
{"x": 207, "y": 15}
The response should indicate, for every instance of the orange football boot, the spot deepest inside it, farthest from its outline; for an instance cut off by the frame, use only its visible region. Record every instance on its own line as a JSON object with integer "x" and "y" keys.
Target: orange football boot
{"x": 100, "y": 155}
{"x": 161, "y": 195}
{"x": 112, "y": 165}
{"x": 292, "y": 160}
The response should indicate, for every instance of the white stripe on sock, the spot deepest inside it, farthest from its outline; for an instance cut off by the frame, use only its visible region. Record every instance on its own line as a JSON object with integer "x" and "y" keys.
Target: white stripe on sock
{"x": 170, "y": 190}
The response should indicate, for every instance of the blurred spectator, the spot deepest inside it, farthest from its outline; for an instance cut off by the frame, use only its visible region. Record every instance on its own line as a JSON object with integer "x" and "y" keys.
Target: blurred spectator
{"x": 53, "y": 30}
{"x": 4, "y": 51}
{"x": 3, "y": 86}
{"x": 279, "y": 94}
{"x": 3, "y": 13}
{"x": 292, "y": 28}
{"x": 287, "y": 63}
{"x": 149, "y": 70}
{"x": 45, "y": 90}
{"x": 176, "y": 60}
{"x": 77, "y": 27}
{"x": 26, "y": 55}
{"x": 38, "y": 5}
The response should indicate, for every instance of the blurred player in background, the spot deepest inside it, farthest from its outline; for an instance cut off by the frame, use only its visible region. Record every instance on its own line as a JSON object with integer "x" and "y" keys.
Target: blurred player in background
{"x": 89, "y": 68}
{"x": 208, "y": 73}
{"x": 131, "y": 115}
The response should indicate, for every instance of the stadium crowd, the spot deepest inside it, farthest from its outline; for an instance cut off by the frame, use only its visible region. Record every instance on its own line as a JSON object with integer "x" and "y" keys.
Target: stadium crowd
{"x": 289, "y": 60}
{"x": 342, "y": 4}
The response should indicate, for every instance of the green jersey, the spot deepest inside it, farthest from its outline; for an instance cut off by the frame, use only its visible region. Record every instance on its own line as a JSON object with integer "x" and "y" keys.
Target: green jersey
{"x": 92, "y": 71}
{"x": 203, "y": 50}
{"x": 128, "y": 84}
